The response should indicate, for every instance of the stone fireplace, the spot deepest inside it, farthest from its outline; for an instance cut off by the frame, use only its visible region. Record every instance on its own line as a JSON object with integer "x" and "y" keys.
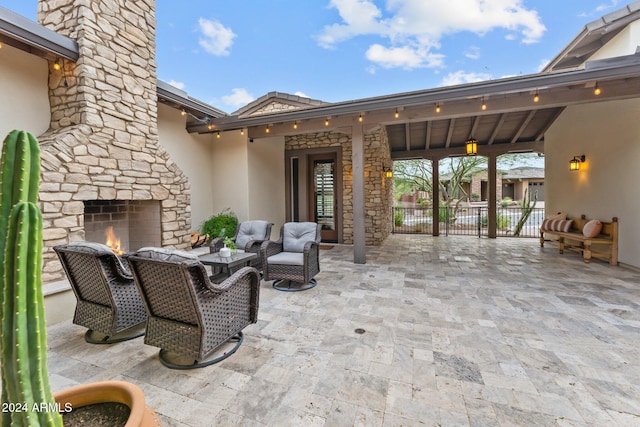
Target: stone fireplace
{"x": 102, "y": 146}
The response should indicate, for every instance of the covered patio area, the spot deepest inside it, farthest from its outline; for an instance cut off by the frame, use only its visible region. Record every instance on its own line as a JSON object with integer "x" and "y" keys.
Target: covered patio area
{"x": 436, "y": 331}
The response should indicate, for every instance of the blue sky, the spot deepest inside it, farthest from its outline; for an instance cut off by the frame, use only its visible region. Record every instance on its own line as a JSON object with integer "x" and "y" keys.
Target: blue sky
{"x": 229, "y": 53}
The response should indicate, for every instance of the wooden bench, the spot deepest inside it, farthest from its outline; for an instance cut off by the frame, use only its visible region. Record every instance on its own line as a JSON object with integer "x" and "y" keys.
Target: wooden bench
{"x": 604, "y": 245}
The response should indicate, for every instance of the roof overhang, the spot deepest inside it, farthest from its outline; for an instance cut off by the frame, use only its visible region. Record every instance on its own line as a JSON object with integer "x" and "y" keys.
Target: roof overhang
{"x": 26, "y": 35}
{"x": 512, "y": 122}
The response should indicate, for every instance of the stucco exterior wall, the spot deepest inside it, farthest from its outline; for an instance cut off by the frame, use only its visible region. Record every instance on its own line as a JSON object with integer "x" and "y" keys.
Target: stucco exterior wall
{"x": 25, "y": 92}
{"x": 192, "y": 154}
{"x": 608, "y": 134}
{"x": 267, "y": 183}
{"x": 229, "y": 165}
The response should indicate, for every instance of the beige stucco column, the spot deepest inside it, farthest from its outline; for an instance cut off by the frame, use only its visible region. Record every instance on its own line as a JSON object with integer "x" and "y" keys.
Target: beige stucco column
{"x": 435, "y": 185}
{"x": 492, "y": 196}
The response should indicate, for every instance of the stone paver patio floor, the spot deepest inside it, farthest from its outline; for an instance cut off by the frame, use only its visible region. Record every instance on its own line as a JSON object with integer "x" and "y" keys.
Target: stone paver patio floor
{"x": 458, "y": 331}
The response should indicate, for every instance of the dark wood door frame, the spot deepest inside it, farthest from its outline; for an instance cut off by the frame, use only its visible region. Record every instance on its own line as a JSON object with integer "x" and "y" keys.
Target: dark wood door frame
{"x": 301, "y": 158}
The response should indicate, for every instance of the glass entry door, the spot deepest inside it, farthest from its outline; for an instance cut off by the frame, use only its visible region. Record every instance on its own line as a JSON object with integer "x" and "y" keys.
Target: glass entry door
{"x": 323, "y": 203}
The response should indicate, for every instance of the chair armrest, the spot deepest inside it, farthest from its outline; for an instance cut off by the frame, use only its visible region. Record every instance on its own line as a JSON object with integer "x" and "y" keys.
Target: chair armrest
{"x": 241, "y": 279}
{"x": 253, "y": 245}
{"x": 215, "y": 245}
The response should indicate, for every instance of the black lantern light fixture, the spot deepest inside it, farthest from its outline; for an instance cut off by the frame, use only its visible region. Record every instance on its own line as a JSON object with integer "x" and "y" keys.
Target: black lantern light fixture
{"x": 574, "y": 164}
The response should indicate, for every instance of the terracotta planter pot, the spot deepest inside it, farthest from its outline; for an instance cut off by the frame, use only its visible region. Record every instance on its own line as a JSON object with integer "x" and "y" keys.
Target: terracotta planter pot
{"x": 111, "y": 391}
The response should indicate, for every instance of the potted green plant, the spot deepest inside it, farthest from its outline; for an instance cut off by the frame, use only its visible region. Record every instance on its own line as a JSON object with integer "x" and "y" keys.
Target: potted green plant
{"x": 26, "y": 394}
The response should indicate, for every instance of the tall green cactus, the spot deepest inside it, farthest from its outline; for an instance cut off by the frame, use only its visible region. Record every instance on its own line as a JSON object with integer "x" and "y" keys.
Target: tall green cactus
{"x": 26, "y": 394}
{"x": 526, "y": 206}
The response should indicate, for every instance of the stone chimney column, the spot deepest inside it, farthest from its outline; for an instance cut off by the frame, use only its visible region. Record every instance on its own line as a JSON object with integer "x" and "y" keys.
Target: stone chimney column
{"x": 112, "y": 87}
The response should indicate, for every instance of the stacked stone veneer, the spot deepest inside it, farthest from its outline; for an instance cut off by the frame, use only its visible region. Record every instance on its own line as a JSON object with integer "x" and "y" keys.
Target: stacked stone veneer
{"x": 480, "y": 177}
{"x": 103, "y": 140}
{"x": 378, "y": 190}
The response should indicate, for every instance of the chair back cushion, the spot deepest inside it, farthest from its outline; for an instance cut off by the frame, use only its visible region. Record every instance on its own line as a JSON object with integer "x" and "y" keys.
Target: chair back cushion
{"x": 251, "y": 230}
{"x": 94, "y": 248}
{"x": 296, "y": 234}
{"x": 165, "y": 254}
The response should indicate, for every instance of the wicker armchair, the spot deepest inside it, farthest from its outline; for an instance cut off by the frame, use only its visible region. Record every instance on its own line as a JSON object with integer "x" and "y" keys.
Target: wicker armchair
{"x": 194, "y": 322}
{"x": 108, "y": 302}
{"x": 294, "y": 259}
{"x": 249, "y": 237}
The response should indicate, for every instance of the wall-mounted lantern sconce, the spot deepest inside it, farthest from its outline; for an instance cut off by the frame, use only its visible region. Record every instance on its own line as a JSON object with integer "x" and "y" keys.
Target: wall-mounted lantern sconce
{"x": 472, "y": 147}
{"x": 388, "y": 172}
{"x": 574, "y": 164}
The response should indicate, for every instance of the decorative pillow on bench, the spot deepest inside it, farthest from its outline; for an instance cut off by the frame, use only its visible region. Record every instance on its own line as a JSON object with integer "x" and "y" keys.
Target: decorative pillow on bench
{"x": 592, "y": 228}
{"x": 550, "y": 224}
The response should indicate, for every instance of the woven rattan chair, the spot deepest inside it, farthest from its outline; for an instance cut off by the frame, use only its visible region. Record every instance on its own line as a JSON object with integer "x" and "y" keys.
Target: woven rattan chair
{"x": 108, "y": 301}
{"x": 194, "y": 322}
{"x": 294, "y": 259}
{"x": 249, "y": 237}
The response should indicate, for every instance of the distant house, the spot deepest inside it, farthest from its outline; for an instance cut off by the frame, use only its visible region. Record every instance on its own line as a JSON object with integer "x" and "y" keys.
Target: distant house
{"x": 516, "y": 181}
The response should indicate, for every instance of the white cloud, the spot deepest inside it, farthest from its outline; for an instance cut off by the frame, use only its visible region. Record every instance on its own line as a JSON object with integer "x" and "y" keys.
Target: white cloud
{"x": 460, "y": 77}
{"x": 301, "y": 94}
{"x": 404, "y": 57}
{"x": 179, "y": 85}
{"x": 473, "y": 52}
{"x": 414, "y": 28}
{"x": 217, "y": 38}
{"x": 239, "y": 98}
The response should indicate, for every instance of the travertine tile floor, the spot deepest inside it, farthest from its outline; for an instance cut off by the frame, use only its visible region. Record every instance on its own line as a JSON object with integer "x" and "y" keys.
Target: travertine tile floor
{"x": 459, "y": 331}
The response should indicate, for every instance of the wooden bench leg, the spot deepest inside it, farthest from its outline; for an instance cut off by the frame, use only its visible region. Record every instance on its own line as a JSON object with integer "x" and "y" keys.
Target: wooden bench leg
{"x": 561, "y": 245}
{"x": 542, "y": 239}
{"x": 587, "y": 252}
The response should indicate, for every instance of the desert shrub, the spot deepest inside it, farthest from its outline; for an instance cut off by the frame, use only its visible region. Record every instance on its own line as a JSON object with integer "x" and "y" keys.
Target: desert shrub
{"x": 398, "y": 218}
{"x": 222, "y": 225}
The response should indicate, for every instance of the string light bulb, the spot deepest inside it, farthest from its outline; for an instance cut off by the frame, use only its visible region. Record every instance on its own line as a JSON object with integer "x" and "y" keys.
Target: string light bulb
{"x": 597, "y": 91}
{"x": 397, "y": 114}
{"x": 360, "y": 119}
{"x": 326, "y": 122}
{"x": 267, "y": 130}
{"x": 484, "y": 104}
{"x": 56, "y": 65}
{"x": 183, "y": 113}
{"x": 295, "y": 125}
{"x": 218, "y": 135}
{"x": 437, "y": 107}
{"x": 536, "y": 97}
{"x": 241, "y": 131}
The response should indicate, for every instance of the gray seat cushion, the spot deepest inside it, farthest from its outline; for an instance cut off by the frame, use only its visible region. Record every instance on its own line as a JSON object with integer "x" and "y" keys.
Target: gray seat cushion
{"x": 286, "y": 258}
{"x": 296, "y": 234}
{"x": 251, "y": 230}
{"x": 165, "y": 254}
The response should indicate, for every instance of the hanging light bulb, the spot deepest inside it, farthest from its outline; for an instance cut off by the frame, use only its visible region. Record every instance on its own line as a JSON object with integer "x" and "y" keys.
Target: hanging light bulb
{"x": 326, "y": 122}
{"x": 360, "y": 119}
{"x": 397, "y": 114}
{"x": 218, "y": 135}
{"x": 241, "y": 131}
{"x": 597, "y": 91}
{"x": 267, "y": 130}
{"x": 536, "y": 97}
{"x": 56, "y": 65}
{"x": 183, "y": 112}
{"x": 437, "y": 107}
{"x": 484, "y": 105}
{"x": 295, "y": 125}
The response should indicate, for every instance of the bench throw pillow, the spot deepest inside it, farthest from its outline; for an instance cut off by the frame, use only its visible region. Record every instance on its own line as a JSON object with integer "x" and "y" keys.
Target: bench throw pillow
{"x": 563, "y": 225}
{"x": 592, "y": 228}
